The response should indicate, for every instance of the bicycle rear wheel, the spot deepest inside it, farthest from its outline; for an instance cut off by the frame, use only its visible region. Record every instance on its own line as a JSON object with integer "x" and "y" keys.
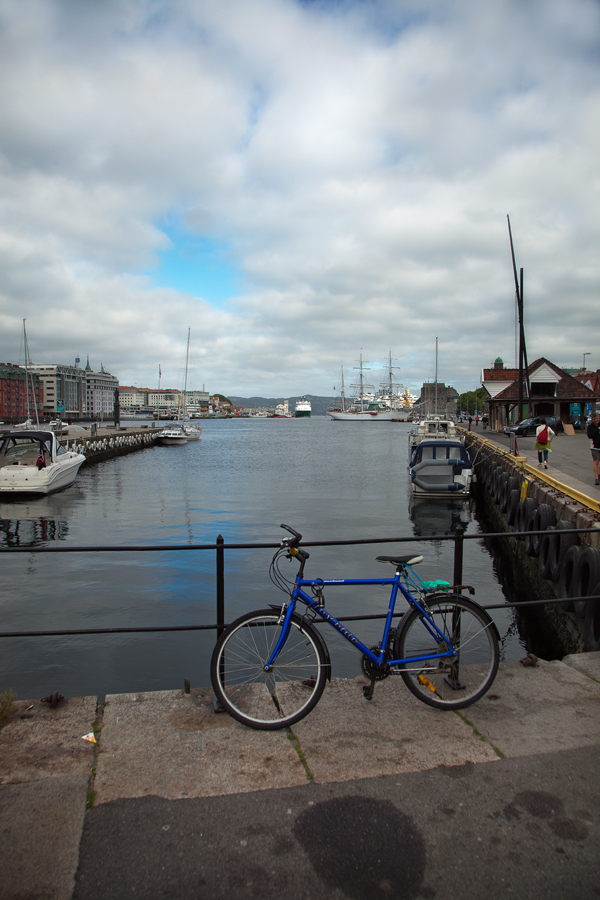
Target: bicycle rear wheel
{"x": 275, "y": 699}
{"x": 458, "y": 680}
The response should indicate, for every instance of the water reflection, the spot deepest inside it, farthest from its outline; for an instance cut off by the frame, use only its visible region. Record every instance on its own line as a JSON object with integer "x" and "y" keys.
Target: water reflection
{"x": 431, "y": 516}
{"x": 31, "y": 523}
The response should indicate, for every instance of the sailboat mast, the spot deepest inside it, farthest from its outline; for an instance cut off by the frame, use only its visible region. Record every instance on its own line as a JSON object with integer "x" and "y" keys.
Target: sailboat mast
{"x": 361, "y": 383}
{"x": 187, "y": 356}
{"x": 343, "y": 395}
{"x": 436, "y": 375}
{"x": 29, "y": 379}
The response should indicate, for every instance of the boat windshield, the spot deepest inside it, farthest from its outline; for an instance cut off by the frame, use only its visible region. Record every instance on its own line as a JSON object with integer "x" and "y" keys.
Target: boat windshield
{"x": 24, "y": 448}
{"x": 438, "y": 450}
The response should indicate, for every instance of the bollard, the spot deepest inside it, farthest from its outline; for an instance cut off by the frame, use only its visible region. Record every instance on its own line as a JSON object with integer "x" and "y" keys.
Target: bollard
{"x": 220, "y": 586}
{"x": 458, "y": 555}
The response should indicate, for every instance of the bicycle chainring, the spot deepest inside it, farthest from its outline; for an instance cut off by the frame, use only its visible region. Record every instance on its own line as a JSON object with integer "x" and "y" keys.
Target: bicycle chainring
{"x": 370, "y": 670}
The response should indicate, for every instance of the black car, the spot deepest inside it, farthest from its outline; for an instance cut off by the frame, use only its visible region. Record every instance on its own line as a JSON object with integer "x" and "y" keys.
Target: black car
{"x": 528, "y": 426}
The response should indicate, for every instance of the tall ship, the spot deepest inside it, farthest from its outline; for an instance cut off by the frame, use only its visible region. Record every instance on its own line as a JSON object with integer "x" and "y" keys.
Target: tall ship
{"x": 302, "y": 409}
{"x": 388, "y": 405}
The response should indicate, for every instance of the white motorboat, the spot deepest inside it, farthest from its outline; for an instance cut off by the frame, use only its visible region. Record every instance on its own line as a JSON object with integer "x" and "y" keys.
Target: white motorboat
{"x": 192, "y": 432}
{"x": 431, "y": 429}
{"x": 439, "y": 468}
{"x": 34, "y": 462}
{"x": 173, "y": 434}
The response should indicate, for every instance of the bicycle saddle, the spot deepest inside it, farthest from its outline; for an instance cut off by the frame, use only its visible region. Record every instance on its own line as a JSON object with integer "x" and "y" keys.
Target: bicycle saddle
{"x": 405, "y": 560}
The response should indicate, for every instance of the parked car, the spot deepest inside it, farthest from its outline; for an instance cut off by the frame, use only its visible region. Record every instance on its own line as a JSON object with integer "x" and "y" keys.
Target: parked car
{"x": 528, "y": 426}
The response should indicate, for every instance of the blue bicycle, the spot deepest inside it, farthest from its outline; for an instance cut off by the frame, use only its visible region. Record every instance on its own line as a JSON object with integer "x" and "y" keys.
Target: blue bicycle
{"x": 270, "y": 667}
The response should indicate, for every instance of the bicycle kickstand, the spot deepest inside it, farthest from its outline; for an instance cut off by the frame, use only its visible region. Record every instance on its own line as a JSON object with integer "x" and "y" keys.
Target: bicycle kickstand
{"x": 368, "y": 689}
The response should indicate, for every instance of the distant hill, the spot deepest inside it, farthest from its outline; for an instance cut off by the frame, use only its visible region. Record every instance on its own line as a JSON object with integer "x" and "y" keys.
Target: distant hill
{"x": 319, "y": 405}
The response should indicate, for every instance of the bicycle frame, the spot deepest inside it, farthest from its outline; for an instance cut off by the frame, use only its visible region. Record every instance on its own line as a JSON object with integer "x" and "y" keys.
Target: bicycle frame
{"x": 377, "y": 658}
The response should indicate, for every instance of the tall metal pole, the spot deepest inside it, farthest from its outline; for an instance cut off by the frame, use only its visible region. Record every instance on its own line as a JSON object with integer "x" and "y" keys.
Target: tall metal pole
{"x": 436, "y": 358}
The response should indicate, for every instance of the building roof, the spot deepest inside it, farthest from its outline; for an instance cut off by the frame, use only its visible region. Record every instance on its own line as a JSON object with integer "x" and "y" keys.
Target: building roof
{"x": 567, "y": 387}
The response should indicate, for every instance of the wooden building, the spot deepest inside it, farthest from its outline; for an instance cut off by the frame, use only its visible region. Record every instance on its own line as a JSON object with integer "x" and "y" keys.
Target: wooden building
{"x": 552, "y": 392}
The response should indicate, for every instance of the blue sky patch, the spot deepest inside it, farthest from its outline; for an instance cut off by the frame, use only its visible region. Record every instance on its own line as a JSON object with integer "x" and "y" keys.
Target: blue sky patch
{"x": 197, "y": 266}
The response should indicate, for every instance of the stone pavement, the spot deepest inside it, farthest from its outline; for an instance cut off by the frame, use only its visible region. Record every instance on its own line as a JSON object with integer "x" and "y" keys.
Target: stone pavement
{"x": 389, "y": 798}
{"x": 570, "y": 460}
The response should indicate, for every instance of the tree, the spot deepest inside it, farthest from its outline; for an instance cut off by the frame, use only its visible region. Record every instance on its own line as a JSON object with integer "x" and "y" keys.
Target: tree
{"x": 473, "y": 401}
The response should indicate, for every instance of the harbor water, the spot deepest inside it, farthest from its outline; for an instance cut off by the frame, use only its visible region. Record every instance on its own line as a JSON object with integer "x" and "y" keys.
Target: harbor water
{"x": 328, "y": 480}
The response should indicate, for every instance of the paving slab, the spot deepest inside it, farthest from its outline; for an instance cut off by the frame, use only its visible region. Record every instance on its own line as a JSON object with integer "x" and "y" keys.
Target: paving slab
{"x": 173, "y": 745}
{"x": 538, "y": 709}
{"x": 43, "y": 742}
{"x": 45, "y": 770}
{"x": 348, "y": 737}
{"x": 586, "y": 663}
{"x": 41, "y": 824}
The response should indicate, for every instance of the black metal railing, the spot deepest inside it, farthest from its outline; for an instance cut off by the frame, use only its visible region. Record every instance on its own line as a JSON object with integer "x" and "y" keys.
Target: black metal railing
{"x": 219, "y": 547}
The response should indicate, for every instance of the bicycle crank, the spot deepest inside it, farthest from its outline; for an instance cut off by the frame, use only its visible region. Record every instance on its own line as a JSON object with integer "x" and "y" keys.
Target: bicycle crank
{"x": 370, "y": 670}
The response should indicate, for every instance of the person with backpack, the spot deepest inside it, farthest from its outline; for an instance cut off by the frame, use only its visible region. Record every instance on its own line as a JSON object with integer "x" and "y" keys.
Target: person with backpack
{"x": 543, "y": 438}
{"x": 593, "y": 432}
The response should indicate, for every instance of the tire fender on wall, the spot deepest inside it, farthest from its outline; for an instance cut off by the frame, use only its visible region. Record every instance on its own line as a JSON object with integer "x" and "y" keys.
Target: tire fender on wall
{"x": 587, "y": 575}
{"x": 566, "y": 575}
{"x": 544, "y": 557}
{"x": 559, "y": 546}
{"x": 513, "y": 503}
{"x": 544, "y": 517}
{"x": 591, "y": 630}
{"x": 530, "y": 548}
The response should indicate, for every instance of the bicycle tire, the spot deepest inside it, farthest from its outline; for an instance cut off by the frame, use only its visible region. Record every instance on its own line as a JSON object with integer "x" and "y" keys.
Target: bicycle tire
{"x": 277, "y": 699}
{"x": 457, "y": 681}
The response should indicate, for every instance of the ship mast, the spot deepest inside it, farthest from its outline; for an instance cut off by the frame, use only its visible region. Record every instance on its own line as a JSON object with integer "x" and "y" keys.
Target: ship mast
{"x": 29, "y": 380}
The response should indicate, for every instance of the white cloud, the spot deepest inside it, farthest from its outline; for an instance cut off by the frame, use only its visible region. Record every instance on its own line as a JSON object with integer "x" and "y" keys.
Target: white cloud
{"x": 358, "y": 159}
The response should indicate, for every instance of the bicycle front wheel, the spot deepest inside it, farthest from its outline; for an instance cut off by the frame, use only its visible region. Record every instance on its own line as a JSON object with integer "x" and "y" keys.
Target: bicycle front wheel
{"x": 455, "y": 681}
{"x": 275, "y": 699}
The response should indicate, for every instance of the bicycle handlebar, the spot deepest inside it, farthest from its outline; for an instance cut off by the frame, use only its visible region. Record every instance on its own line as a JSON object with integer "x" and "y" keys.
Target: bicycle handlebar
{"x": 293, "y": 544}
{"x": 297, "y": 536}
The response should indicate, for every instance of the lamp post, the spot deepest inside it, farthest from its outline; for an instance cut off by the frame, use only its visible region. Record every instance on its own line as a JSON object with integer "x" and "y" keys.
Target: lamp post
{"x": 584, "y": 356}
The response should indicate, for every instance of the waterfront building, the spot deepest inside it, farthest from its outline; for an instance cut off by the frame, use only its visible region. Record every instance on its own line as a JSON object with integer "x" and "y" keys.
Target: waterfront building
{"x": 131, "y": 398}
{"x": 15, "y": 384}
{"x": 65, "y": 391}
{"x": 553, "y": 393}
{"x": 100, "y": 393}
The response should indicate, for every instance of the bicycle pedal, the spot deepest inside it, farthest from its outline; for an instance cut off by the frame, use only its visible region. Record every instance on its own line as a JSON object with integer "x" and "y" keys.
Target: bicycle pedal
{"x": 368, "y": 690}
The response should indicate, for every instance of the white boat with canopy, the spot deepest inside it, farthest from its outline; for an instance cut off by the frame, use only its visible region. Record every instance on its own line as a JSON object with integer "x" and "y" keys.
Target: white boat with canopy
{"x": 34, "y": 462}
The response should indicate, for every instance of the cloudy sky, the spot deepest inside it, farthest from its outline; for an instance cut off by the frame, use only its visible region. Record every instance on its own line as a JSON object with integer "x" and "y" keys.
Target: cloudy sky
{"x": 298, "y": 181}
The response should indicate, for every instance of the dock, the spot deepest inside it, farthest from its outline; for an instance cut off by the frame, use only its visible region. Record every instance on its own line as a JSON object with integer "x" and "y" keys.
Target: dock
{"x": 107, "y": 441}
{"x": 390, "y": 798}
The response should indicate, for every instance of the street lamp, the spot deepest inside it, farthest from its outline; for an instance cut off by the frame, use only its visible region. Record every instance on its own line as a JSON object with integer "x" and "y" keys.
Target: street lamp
{"x": 584, "y": 356}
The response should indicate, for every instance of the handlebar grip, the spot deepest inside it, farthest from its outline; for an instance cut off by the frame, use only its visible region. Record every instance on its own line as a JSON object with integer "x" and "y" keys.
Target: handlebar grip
{"x": 292, "y": 531}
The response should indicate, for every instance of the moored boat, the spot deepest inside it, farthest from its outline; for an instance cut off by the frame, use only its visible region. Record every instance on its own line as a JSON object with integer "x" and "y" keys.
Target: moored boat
{"x": 431, "y": 429}
{"x": 302, "y": 409}
{"x": 439, "y": 468}
{"x": 172, "y": 435}
{"x": 34, "y": 462}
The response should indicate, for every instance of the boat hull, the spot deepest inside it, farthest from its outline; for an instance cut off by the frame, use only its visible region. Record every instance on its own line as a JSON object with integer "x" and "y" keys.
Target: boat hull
{"x": 31, "y": 480}
{"x": 440, "y": 469}
{"x": 379, "y": 415}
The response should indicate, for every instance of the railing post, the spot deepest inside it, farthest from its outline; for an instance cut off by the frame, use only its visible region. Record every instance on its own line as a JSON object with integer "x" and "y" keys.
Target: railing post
{"x": 458, "y": 555}
{"x": 220, "y": 586}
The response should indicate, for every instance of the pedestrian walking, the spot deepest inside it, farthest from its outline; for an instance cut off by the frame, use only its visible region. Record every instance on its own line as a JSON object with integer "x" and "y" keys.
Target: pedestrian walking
{"x": 470, "y": 420}
{"x": 543, "y": 438}
{"x": 593, "y": 432}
